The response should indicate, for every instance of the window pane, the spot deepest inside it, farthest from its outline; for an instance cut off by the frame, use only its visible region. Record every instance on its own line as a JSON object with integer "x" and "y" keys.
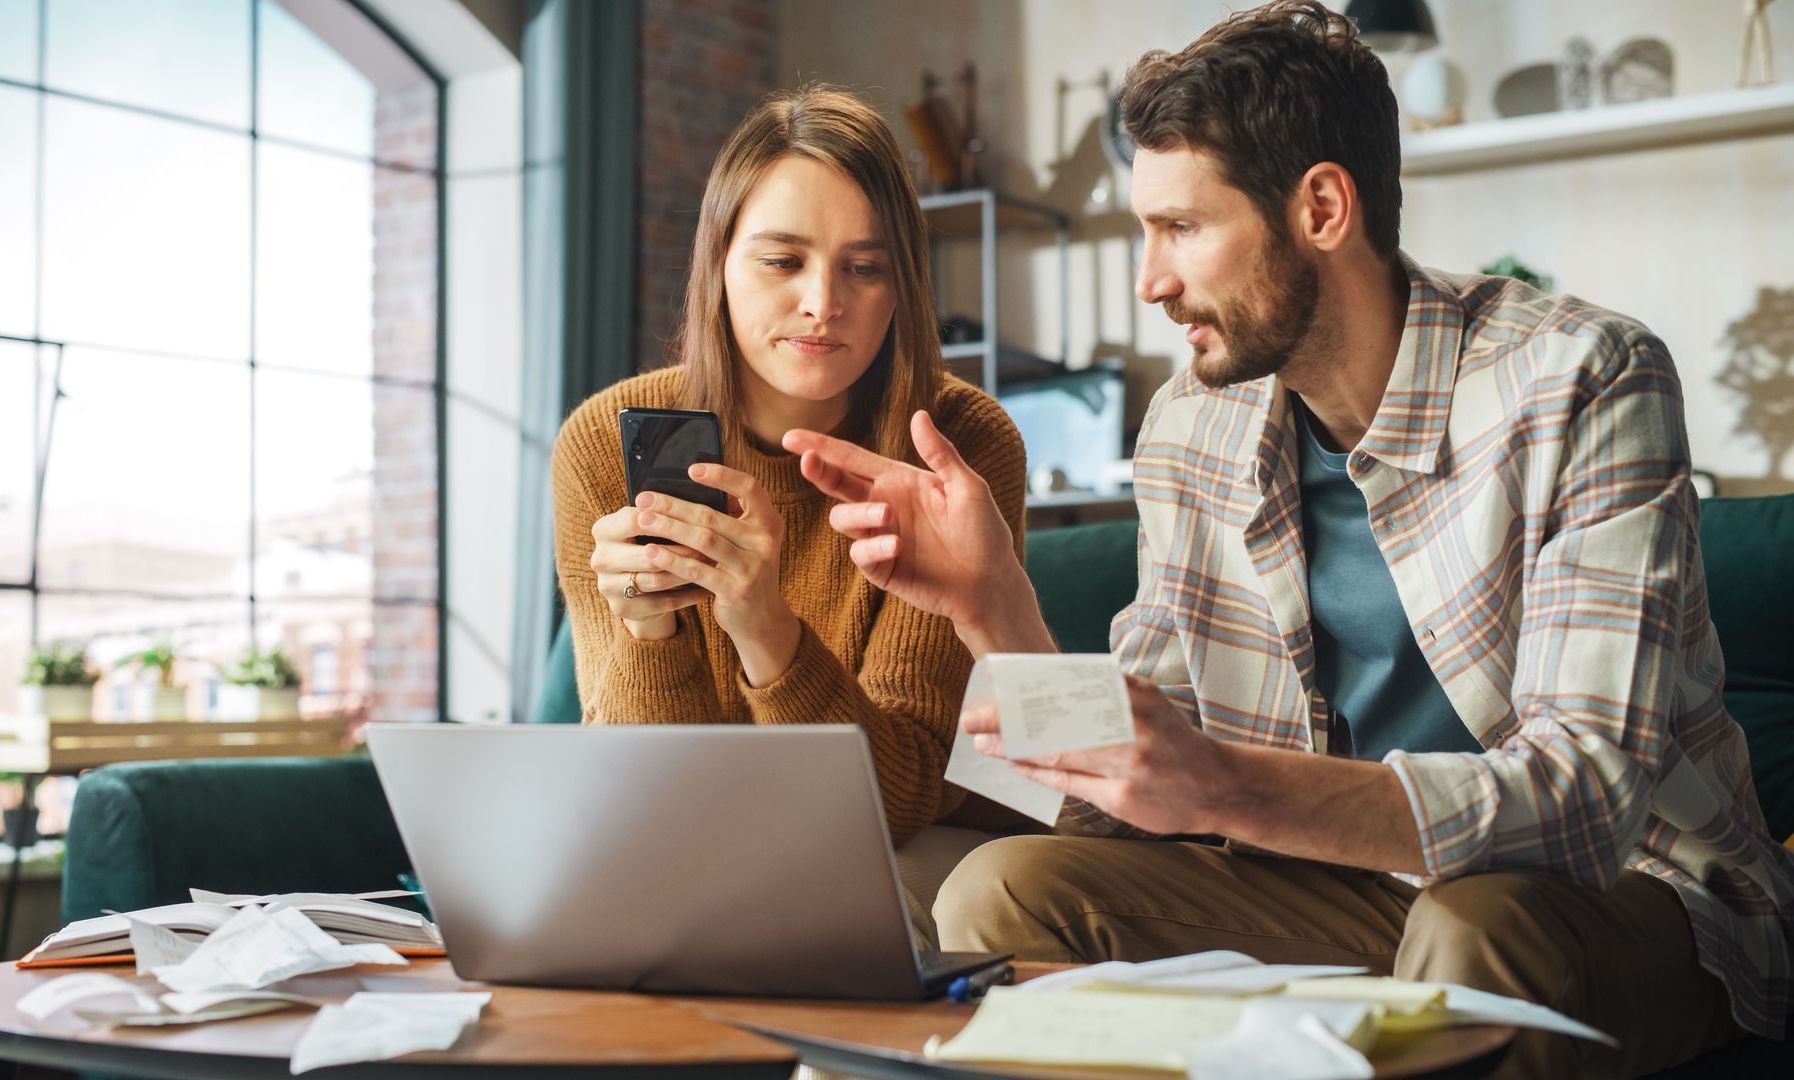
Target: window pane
{"x": 148, "y": 480}
{"x": 146, "y": 233}
{"x": 187, "y": 57}
{"x": 328, "y": 642}
{"x": 15, "y": 630}
{"x": 335, "y": 456}
{"x": 331, "y": 78}
{"x": 18, "y": 208}
{"x": 309, "y": 91}
{"x": 315, "y": 261}
{"x": 18, "y": 41}
{"x": 17, "y": 460}
{"x": 206, "y": 635}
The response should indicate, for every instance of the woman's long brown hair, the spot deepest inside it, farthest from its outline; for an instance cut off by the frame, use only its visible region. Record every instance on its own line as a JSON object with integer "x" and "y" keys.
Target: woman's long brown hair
{"x": 839, "y": 130}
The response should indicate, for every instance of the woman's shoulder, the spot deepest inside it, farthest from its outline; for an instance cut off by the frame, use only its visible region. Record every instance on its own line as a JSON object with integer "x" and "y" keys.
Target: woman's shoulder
{"x": 596, "y": 416}
{"x": 970, "y": 417}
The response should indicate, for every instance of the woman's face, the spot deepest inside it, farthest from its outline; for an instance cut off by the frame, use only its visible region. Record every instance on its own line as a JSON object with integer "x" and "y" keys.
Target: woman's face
{"x": 807, "y": 282}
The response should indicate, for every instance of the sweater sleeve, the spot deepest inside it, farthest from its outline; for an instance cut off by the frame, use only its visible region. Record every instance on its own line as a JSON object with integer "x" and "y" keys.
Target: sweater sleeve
{"x": 907, "y": 692}
{"x": 621, "y": 680}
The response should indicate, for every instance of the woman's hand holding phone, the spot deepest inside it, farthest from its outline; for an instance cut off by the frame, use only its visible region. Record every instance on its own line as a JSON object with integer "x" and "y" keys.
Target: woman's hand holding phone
{"x": 621, "y": 563}
{"x": 731, "y": 557}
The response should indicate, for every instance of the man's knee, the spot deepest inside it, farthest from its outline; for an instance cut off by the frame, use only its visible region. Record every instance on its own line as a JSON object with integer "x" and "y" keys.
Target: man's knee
{"x": 994, "y": 898}
{"x": 1492, "y": 931}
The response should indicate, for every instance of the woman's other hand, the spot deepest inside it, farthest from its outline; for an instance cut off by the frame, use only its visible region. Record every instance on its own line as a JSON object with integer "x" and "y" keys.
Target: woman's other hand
{"x": 644, "y": 597}
{"x": 735, "y": 558}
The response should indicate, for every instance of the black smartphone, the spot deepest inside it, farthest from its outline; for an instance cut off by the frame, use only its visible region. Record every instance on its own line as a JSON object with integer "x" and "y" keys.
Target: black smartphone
{"x": 659, "y": 448}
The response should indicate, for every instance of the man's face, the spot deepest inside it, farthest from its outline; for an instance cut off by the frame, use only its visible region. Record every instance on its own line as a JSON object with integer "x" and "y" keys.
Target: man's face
{"x": 1243, "y": 291}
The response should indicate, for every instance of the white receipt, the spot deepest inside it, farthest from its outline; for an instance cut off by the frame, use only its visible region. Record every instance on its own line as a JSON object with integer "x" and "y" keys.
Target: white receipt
{"x": 374, "y": 1027}
{"x": 1214, "y": 972}
{"x": 63, "y": 991}
{"x": 1046, "y": 704}
{"x": 156, "y": 946}
{"x": 1470, "y": 1006}
{"x": 258, "y": 947}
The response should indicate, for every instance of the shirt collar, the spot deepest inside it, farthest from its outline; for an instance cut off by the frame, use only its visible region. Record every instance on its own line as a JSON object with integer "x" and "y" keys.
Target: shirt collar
{"x": 1408, "y": 431}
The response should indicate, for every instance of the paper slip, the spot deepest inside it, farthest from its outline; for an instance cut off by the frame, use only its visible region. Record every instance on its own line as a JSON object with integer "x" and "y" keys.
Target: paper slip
{"x": 205, "y": 896}
{"x": 65, "y": 990}
{"x": 165, "y": 1018}
{"x": 258, "y": 947}
{"x": 1143, "y": 1031}
{"x": 1285, "y": 1039}
{"x": 1046, "y": 704}
{"x": 374, "y": 1027}
{"x": 157, "y": 946}
{"x": 1217, "y": 971}
{"x": 1469, "y": 1006}
{"x": 1120, "y": 971}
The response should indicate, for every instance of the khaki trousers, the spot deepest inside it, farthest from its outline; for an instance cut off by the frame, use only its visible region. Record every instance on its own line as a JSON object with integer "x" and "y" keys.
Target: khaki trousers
{"x": 923, "y": 863}
{"x": 1622, "y": 961}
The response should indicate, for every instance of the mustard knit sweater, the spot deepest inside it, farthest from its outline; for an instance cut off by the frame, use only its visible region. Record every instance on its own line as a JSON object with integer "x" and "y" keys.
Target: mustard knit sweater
{"x": 865, "y": 657}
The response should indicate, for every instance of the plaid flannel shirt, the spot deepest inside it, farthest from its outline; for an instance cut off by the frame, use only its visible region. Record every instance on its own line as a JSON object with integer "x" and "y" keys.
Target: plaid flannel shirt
{"x": 1527, "y": 478}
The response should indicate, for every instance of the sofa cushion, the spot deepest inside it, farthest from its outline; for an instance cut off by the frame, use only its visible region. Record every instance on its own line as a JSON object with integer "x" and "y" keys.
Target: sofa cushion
{"x": 142, "y": 834}
{"x": 1084, "y": 575}
{"x": 1748, "y": 548}
{"x": 558, "y": 702}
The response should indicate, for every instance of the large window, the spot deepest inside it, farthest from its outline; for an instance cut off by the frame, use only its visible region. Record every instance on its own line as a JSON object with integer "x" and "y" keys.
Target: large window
{"x": 219, "y": 399}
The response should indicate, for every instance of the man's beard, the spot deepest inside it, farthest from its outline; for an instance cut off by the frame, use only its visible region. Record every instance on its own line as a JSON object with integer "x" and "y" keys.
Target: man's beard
{"x": 1262, "y": 325}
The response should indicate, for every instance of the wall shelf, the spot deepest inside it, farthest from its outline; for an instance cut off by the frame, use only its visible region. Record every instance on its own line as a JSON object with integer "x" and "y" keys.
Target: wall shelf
{"x": 1610, "y": 129}
{"x": 980, "y": 216}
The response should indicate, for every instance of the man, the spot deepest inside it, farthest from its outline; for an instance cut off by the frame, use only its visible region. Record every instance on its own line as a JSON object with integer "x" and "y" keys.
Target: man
{"x": 1421, "y": 627}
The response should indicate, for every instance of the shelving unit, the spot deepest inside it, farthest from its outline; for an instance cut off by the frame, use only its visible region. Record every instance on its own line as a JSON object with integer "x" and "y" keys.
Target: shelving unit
{"x": 981, "y": 215}
{"x": 1610, "y": 129}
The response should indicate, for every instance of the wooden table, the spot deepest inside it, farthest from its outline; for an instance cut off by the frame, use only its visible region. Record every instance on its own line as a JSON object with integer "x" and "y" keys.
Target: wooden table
{"x": 530, "y": 1032}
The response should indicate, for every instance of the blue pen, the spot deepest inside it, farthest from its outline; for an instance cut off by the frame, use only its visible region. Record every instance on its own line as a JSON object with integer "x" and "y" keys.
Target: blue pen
{"x": 969, "y": 987}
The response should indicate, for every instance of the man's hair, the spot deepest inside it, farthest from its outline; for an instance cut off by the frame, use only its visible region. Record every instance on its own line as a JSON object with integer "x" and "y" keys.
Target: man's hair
{"x": 1270, "y": 93}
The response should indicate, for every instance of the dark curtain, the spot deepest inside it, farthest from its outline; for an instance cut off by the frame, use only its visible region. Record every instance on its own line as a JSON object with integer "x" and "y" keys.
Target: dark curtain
{"x": 579, "y": 265}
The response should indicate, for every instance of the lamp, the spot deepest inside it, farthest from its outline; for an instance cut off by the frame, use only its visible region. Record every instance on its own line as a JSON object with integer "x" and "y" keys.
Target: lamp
{"x": 1394, "y": 25}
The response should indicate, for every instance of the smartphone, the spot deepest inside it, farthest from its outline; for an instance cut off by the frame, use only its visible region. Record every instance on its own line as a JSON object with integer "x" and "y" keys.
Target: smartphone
{"x": 659, "y": 448}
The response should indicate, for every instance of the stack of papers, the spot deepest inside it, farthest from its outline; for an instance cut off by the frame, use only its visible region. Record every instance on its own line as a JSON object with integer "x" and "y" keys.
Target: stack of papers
{"x": 351, "y": 920}
{"x": 1224, "y": 1015}
{"x": 222, "y": 957}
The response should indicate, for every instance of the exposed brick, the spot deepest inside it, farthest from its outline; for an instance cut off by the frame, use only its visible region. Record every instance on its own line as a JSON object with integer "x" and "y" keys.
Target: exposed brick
{"x": 688, "y": 110}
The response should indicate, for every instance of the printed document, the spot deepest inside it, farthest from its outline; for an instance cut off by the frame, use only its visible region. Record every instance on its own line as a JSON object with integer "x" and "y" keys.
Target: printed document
{"x": 1046, "y": 704}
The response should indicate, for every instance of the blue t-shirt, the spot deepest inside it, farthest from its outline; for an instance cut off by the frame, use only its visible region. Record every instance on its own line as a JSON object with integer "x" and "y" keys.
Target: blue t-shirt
{"x": 1366, "y": 662}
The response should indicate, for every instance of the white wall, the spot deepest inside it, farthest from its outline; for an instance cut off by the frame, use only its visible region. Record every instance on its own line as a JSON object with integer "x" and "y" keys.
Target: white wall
{"x": 1682, "y": 239}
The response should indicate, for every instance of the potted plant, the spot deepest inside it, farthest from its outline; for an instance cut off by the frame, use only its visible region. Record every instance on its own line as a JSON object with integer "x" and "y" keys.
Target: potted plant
{"x": 58, "y": 683}
{"x": 162, "y": 699}
{"x": 262, "y": 686}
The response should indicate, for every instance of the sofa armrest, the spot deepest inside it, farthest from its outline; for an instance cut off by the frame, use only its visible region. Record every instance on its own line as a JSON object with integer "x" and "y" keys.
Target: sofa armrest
{"x": 143, "y": 834}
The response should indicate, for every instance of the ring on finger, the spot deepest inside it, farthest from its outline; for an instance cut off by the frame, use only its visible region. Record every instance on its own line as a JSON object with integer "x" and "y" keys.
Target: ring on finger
{"x": 631, "y": 591}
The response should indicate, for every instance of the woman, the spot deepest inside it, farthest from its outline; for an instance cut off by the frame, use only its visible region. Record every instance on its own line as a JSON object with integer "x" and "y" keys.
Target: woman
{"x": 809, "y": 306}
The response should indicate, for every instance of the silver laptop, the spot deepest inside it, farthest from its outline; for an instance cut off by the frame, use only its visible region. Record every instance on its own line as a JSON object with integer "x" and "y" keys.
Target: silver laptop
{"x": 717, "y": 859}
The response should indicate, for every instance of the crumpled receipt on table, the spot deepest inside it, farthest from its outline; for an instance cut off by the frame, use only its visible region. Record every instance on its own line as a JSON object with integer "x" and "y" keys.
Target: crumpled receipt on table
{"x": 129, "y": 1004}
{"x": 374, "y": 1027}
{"x": 1047, "y": 703}
{"x": 261, "y": 946}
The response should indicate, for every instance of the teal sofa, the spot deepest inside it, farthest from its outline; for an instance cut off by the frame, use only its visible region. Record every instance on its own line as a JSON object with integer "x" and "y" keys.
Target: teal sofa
{"x": 142, "y": 834}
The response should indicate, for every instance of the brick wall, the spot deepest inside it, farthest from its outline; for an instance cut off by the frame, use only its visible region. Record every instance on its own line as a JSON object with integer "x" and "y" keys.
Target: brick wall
{"x": 401, "y": 656}
{"x": 704, "y": 64}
